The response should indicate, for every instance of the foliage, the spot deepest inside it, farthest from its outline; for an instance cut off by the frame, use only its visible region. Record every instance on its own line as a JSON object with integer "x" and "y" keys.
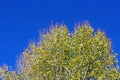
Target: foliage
{"x": 59, "y": 55}
{"x": 6, "y": 74}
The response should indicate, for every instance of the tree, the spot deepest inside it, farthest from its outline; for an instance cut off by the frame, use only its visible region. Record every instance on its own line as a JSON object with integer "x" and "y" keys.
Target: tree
{"x": 84, "y": 55}
{"x": 6, "y": 74}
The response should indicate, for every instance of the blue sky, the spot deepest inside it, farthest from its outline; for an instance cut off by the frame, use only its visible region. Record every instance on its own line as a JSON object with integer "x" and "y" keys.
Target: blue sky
{"x": 21, "y": 20}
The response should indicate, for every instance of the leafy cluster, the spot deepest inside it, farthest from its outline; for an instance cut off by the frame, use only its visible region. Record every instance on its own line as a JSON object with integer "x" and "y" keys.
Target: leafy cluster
{"x": 84, "y": 55}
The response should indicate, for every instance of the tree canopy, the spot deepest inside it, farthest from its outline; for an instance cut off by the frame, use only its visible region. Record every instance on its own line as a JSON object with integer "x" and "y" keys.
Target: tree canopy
{"x": 59, "y": 55}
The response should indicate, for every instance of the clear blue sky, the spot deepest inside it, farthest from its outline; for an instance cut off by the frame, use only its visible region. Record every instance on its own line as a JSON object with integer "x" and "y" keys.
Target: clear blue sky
{"x": 21, "y": 20}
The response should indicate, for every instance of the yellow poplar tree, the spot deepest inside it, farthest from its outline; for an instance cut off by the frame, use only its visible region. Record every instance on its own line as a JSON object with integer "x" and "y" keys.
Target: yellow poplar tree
{"x": 59, "y": 55}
